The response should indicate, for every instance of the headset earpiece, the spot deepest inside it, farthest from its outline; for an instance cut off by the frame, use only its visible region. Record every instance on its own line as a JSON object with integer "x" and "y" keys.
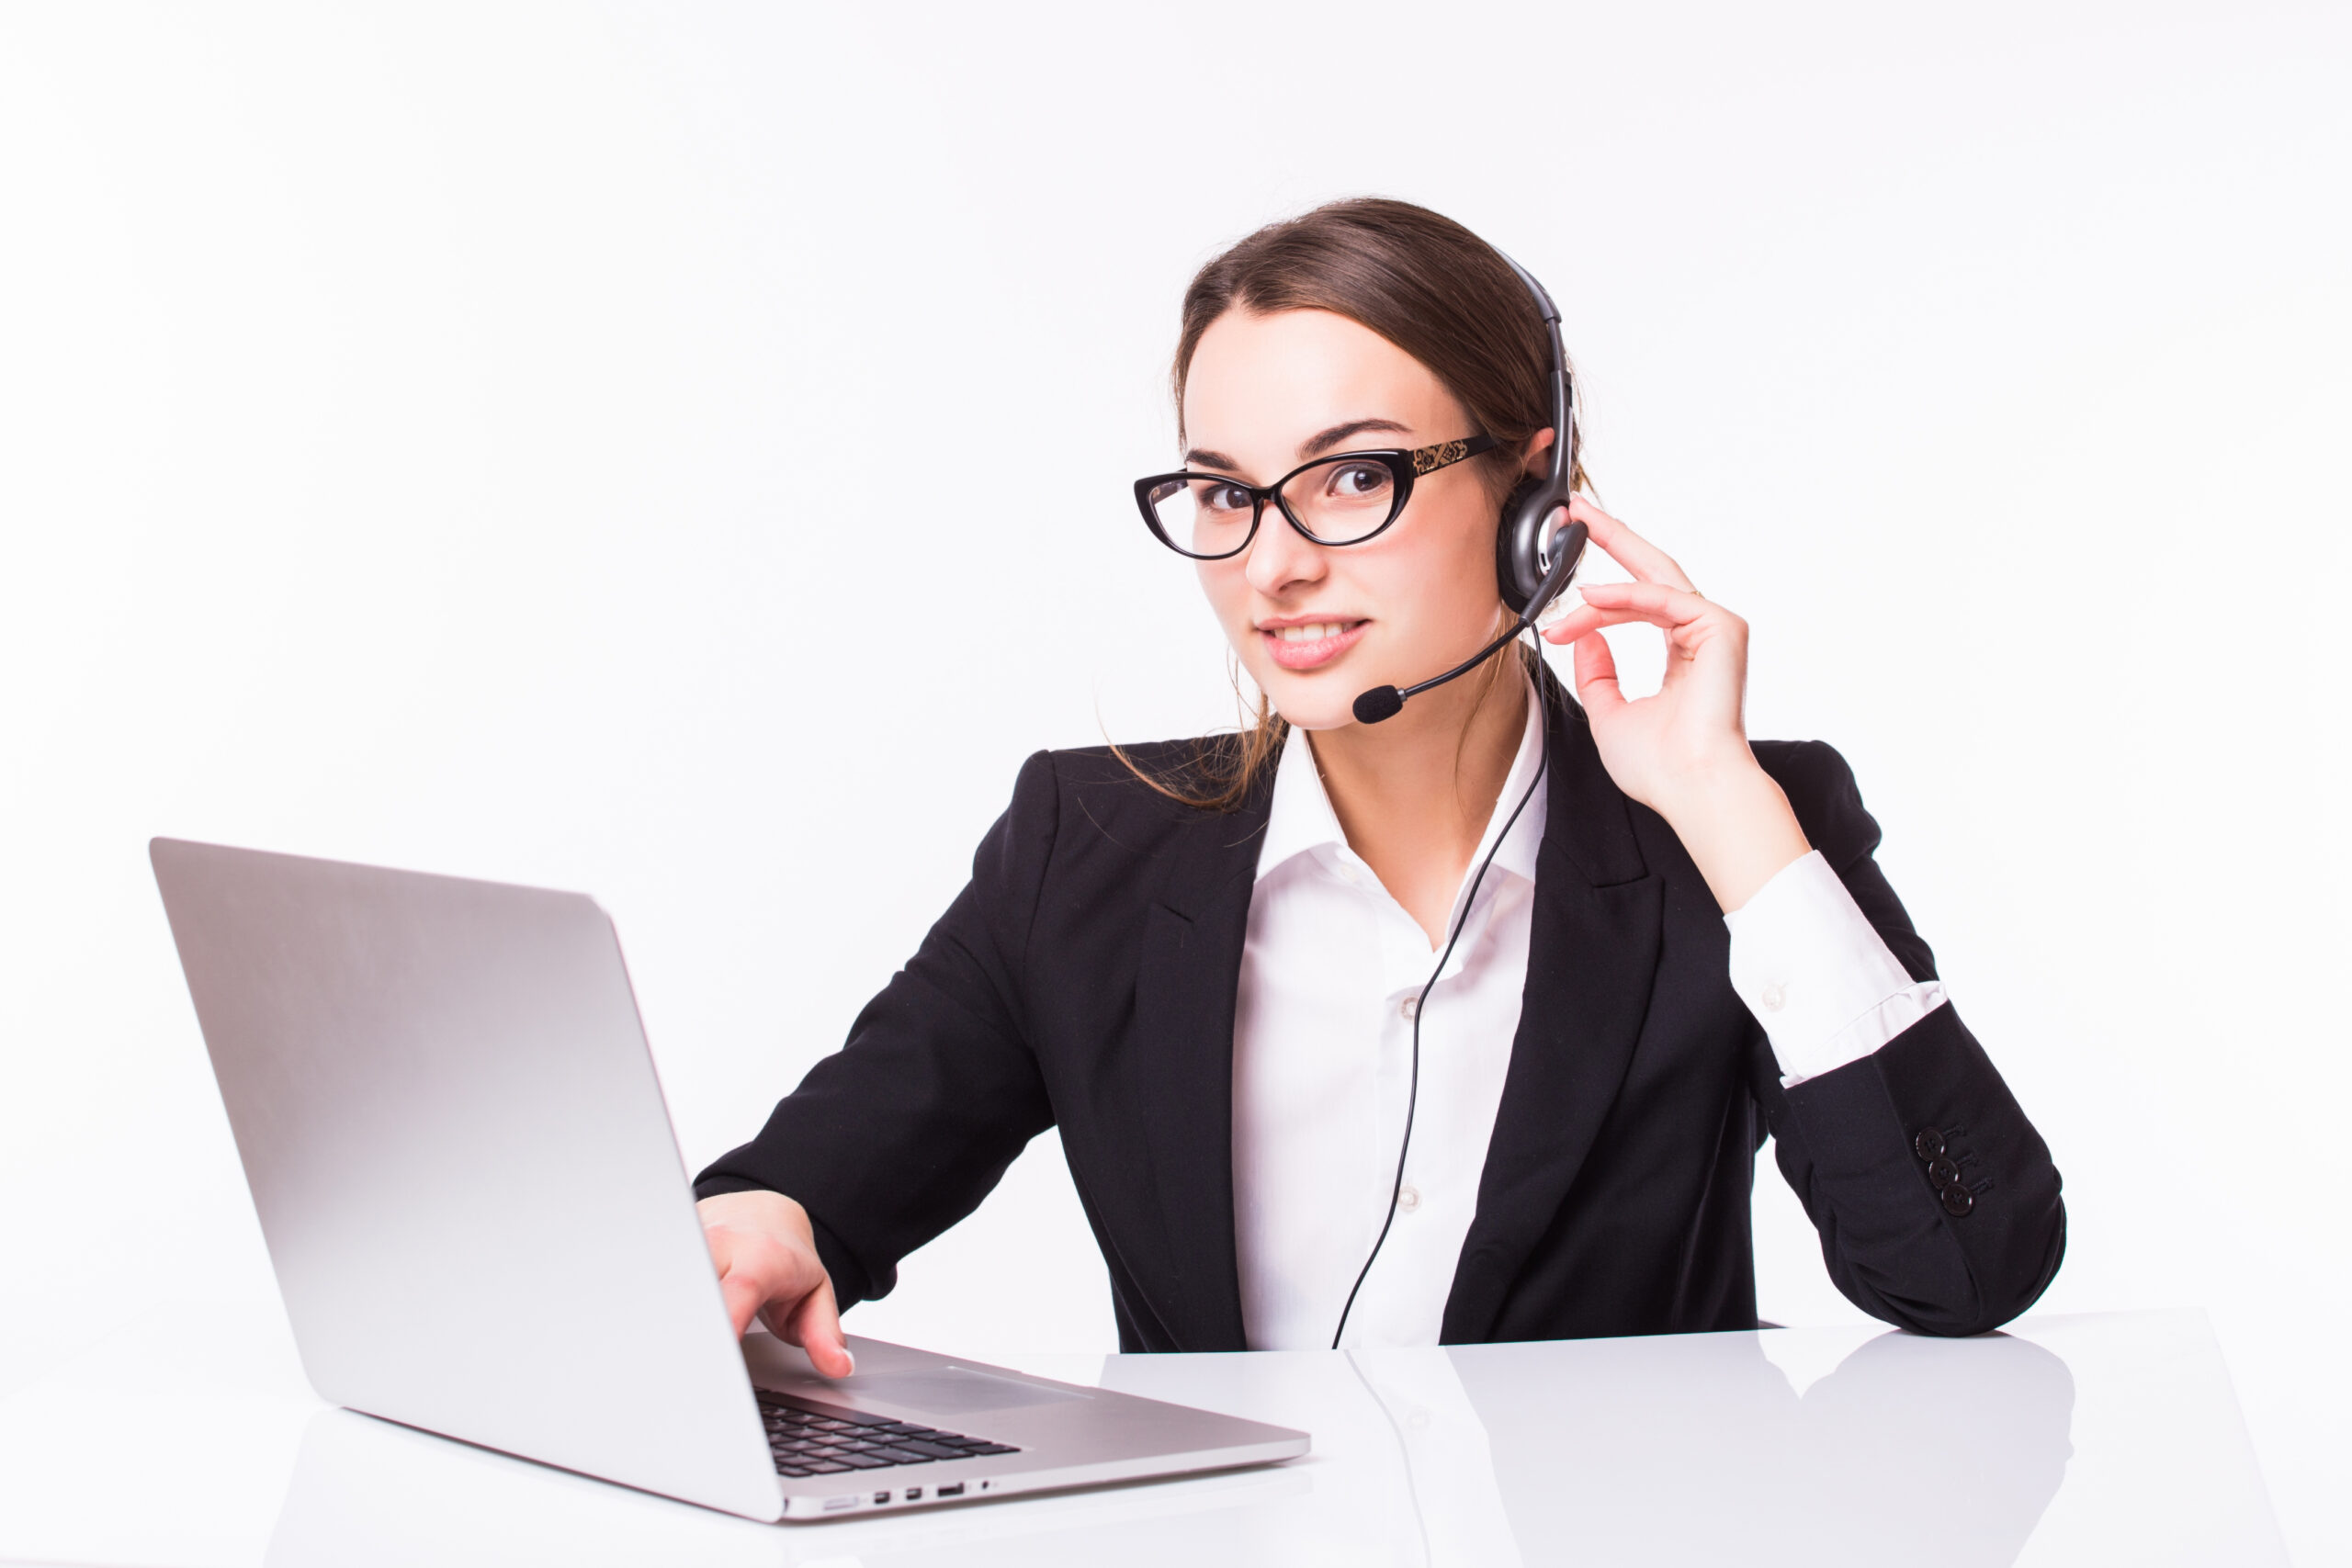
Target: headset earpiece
{"x": 1523, "y": 559}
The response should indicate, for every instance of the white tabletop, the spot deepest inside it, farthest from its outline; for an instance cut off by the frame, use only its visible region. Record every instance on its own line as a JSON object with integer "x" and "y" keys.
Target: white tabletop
{"x": 2106, "y": 1439}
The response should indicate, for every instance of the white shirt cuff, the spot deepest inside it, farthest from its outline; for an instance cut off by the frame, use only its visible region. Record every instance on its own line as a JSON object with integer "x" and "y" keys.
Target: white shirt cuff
{"x": 1816, "y": 974}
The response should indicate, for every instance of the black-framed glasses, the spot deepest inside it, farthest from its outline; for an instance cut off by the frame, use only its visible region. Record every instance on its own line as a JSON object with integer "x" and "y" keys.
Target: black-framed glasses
{"x": 1340, "y": 500}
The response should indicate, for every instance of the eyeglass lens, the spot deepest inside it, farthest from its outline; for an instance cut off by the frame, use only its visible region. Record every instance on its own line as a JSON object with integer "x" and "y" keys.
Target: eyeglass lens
{"x": 1338, "y": 502}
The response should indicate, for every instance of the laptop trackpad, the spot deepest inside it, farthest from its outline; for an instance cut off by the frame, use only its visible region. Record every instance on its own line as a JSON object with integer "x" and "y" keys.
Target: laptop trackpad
{"x": 951, "y": 1391}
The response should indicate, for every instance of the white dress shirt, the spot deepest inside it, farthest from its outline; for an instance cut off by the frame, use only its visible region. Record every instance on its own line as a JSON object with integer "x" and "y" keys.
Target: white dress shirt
{"x": 1323, "y": 1039}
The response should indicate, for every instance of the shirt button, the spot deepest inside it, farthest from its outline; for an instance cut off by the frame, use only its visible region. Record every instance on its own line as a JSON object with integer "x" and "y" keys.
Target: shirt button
{"x": 1408, "y": 1199}
{"x": 1409, "y": 1007}
{"x": 1772, "y": 999}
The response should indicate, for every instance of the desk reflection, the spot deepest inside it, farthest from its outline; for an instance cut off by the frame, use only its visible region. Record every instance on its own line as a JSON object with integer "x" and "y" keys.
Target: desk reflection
{"x": 1951, "y": 1448}
{"x": 1692, "y": 1449}
{"x": 1686, "y": 1448}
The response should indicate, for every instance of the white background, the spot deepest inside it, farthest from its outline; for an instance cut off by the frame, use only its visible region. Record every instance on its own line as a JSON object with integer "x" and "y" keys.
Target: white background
{"x": 681, "y": 453}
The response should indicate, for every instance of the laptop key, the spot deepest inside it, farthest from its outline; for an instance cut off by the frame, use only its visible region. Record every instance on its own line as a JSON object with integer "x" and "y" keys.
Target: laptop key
{"x": 993, "y": 1449}
{"x": 936, "y": 1451}
{"x": 864, "y": 1461}
{"x": 903, "y": 1456}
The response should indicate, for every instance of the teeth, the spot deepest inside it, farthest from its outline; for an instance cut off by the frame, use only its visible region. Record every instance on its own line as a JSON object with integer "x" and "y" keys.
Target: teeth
{"x": 1315, "y": 633}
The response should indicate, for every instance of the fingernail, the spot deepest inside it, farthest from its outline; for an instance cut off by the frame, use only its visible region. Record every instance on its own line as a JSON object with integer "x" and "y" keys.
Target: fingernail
{"x": 852, "y": 1359}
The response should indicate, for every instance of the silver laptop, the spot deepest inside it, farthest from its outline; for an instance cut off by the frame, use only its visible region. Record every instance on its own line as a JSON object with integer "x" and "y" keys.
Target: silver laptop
{"x": 481, "y": 1227}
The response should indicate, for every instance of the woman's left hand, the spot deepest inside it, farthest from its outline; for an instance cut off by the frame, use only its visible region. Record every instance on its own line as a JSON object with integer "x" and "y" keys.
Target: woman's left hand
{"x": 1683, "y": 751}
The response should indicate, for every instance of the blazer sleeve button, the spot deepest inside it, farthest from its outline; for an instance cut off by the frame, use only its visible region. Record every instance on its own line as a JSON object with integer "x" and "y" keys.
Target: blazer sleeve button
{"x": 1944, "y": 1173}
{"x": 1957, "y": 1201}
{"x": 1929, "y": 1145}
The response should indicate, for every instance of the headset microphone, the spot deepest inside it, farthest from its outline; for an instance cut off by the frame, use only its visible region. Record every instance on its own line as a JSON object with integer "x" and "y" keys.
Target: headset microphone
{"x": 1567, "y": 544}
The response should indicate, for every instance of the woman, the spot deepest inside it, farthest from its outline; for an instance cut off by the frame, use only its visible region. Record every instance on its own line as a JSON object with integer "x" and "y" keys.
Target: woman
{"x": 1641, "y": 941}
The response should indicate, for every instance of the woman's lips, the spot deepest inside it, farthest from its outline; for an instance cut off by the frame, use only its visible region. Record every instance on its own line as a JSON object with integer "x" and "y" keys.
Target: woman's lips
{"x": 1312, "y": 646}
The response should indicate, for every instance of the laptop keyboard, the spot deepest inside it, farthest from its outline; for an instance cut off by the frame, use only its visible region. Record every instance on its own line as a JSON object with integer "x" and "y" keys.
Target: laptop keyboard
{"x": 808, "y": 1440}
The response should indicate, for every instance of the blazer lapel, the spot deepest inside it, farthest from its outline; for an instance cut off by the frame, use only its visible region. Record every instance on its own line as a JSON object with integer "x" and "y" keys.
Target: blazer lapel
{"x": 1185, "y": 991}
{"x": 1592, "y": 956}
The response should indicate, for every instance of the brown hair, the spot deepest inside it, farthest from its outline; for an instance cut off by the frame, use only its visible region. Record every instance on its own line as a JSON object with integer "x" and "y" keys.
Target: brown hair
{"x": 1435, "y": 290}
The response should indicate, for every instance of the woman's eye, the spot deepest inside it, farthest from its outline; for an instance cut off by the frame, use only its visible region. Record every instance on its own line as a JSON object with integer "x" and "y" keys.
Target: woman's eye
{"x": 1227, "y": 498}
{"x": 1359, "y": 482}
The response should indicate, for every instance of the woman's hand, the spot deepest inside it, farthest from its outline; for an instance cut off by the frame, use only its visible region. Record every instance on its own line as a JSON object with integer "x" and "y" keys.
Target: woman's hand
{"x": 1682, "y": 753}
{"x": 768, "y": 1267}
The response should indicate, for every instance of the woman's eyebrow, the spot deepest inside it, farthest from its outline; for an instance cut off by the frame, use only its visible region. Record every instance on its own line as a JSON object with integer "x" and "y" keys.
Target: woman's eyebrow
{"x": 1324, "y": 441}
{"x": 1314, "y": 446}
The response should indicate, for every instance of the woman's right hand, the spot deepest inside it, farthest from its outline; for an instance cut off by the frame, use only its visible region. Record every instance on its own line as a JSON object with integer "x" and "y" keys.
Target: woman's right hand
{"x": 768, "y": 1268}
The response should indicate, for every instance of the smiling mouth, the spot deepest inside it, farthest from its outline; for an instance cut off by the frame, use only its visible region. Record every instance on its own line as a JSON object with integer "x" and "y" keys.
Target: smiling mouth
{"x": 1315, "y": 643}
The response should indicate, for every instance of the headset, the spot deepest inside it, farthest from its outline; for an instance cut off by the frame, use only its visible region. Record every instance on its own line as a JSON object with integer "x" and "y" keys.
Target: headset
{"x": 1525, "y": 553}
{"x": 1532, "y": 560}
{"x": 1533, "y": 565}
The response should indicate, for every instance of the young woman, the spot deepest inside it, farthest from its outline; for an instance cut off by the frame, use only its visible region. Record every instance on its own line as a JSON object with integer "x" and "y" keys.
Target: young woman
{"x": 1498, "y": 997}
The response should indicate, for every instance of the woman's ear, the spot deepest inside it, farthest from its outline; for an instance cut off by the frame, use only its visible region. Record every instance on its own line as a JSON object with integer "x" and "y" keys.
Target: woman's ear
{"x": 1538, "y": 460}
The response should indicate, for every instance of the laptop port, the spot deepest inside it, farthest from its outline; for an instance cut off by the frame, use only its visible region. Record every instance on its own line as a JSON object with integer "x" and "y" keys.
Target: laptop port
{"x": 955, "y": 1490}
{"x": 914, "y": 1494}
{"x": 881, "y": 1497}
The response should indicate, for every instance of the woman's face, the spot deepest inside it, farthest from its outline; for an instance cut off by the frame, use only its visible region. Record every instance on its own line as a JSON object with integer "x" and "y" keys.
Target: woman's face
{"x": 1315, "y": 624}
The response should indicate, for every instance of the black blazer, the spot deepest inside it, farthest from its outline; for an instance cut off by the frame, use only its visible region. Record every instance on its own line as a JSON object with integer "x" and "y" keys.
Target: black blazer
{"x": 1086, "y": 978}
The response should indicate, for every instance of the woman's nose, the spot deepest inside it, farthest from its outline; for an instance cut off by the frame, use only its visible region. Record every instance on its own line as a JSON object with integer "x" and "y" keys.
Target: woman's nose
{"x": 1280, "y": 556}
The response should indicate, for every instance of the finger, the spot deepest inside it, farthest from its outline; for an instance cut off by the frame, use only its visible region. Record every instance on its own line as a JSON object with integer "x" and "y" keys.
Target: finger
{"x": 1627, "y": 549}
{"x": 1577, "y": 625}
{"x": 1584, "y": 623}
{"x": 1596, "y": 673}
{"x": 1614, "y": 603}
{"x": 742, "y": 1294}
{"x": 816, "y": 1326}
{"x": 1560, "y": 622}
{"x": 743, "y": 1297}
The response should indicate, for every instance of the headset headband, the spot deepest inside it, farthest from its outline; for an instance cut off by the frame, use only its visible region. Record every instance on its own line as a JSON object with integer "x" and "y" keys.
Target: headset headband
{"x": 1564, "y": 398}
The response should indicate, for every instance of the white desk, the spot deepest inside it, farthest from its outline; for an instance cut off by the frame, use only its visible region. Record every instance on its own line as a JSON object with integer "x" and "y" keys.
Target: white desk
{"x": 2094, "y": 1439}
